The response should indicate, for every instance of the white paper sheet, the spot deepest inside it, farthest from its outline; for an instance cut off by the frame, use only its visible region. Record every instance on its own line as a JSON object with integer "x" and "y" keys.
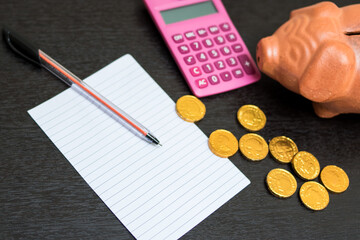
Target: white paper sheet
{"x": 156, "y": 192}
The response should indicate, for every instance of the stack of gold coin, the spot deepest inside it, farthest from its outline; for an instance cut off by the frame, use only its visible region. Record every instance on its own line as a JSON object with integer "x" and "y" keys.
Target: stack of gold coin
{"x": 223, "y": 143}
{"x": 314, "y": 195}
{"x": 283, "y": 149}
{"x": 190, "y": 108}
{"x": 281, "y": 183}
{"x": 253, "y": 147}
{"x": 251, "y": 117}
{"x": 334, "y": 179}
{"x": 306, "y": 165}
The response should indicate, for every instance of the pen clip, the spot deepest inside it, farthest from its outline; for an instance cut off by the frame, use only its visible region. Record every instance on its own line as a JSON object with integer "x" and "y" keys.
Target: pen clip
{"x": 21, "y": 46}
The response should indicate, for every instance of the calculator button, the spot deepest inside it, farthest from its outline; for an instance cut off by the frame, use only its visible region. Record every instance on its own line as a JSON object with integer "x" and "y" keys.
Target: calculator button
{"x": 208, "y": 68}
{"x": 196, "y": 46}
{"x": 219, "y": 64}
{"x": 213, "y": 29}
{"x": 190, "y": 35}
{"x": 214, "y": 79}
{"x": 225, "y": 50}
{"x": 208, "y": 43}
{"x": 201, "y": 83}
{"x": 214, "y": 53}
{"x": 195, "y": 71}
{"x": 184, "y": 49}
{"x": 231, "y": 61}
{"x": 237, "y": 48}
{"x": 201, "y": 57}
{"x": 238, "y": 73}
{"x": 226, "y": 76}
{"x": 178, "y": 38}
{"x": 225, "y": 27}
{"x": 202, "y": 32}
{"x": 231, "y": 37}
{"x": 189, "y": 60}
{"x": 246, "y": 64}
{"x": 219, "y": 40}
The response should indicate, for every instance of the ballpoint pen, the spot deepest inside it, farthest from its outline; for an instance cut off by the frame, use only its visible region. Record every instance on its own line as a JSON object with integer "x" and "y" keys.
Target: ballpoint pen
{"x": 38, "y": 57}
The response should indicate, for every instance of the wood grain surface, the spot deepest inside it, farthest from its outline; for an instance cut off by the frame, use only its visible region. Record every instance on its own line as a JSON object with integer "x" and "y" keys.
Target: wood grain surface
{"x": 43, "y": 197}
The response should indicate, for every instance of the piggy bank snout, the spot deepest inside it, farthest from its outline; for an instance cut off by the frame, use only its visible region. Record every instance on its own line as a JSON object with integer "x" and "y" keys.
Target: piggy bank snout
{"x": 267, "y": 55}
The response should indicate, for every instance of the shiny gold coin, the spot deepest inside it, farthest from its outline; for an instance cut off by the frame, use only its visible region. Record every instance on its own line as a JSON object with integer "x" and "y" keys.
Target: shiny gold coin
{"x": 283, "y": 149}
{"x": 190, "y": 108}
{"x": 306, "y": 165}
{"x": 314, "y": 195}
{"x": 251, "y": 117}
{"x": 281, "y": 183}
{"x": 334, "y": 178}
{"x": 223, "y": 143}
{"x": 253, "y": 146}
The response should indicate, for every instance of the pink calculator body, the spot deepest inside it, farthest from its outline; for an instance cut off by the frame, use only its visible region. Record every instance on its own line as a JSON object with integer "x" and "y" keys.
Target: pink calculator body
{"x": 203, "y": 40}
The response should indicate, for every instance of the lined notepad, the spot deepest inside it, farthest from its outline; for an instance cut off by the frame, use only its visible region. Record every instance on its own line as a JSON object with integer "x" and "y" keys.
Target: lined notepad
{"x": 156, "y": 192}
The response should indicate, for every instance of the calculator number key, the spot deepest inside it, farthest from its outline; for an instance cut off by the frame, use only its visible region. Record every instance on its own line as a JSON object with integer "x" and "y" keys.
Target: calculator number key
{"x": 208, "y": 43}
{"x": 219, "y": 64}
{"x": 214, "y": 53}
{"x": 189, "y": 60}
{"x": 195, "y": 46}
{"x": 208, "y": 68}
{"x": 201, "y": 57}
{"x": 184, "y": 49}
{"x": 201, "y": 83}
{"x": 219, "y": 40}
{"x": 214, "y": 79}
{"x": 231, "y": 61}
{"x": 225, "y": 50}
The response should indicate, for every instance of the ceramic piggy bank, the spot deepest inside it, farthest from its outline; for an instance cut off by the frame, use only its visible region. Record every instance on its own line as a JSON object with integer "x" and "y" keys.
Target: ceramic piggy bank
{"x": 317, "y": 54}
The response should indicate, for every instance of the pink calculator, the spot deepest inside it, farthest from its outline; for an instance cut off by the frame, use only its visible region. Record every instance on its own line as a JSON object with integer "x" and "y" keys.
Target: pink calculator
{"x": 205, "y": 44}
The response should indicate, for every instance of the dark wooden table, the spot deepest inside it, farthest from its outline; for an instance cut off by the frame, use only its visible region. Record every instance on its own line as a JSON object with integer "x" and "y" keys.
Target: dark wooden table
{"x": 43, "y": 197}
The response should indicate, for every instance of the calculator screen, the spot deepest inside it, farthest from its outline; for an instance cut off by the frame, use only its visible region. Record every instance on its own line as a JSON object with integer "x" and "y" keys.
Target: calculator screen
{"x": 188, "y": 12}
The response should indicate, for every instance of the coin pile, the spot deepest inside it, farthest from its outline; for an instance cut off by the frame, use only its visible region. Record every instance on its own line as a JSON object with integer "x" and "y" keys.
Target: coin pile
{"x": 281, "y": 183}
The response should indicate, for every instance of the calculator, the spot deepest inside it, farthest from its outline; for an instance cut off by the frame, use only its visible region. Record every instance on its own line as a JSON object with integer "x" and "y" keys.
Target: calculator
{"x": 205, "y": 44}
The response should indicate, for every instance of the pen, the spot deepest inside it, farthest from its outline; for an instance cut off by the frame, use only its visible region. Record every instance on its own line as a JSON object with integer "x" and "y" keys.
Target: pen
{"x": 38, "y": 57}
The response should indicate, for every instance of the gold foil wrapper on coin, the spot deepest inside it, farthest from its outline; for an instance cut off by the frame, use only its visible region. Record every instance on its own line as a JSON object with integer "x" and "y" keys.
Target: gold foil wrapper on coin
{"x": 251, "y": 117}
{"x": 223, "y": 143}
{"x": 253, "y": 147}
{"x": 281, "y": 183}
{"x": 306, "y": 165}
{"x": 190, "y": 108}
{"x": 283, "y": 149}
{"x": 314, "y": 195}
{"x": 334, "y": 179}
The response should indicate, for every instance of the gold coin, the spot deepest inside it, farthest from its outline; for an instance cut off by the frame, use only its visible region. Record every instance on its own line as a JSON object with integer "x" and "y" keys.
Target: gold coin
{"x": 281, "y": 183}
{"x": 251, "y": 117}
{"x": 306, "y": 165}
{"x": 314, "y": 195}
{"x": 190, "y": 108}
{"x": 223, "y": 143}
{"x": 334, "y": 178}
{"x": 253, "y": 146}
{"x": 283, "y": 149}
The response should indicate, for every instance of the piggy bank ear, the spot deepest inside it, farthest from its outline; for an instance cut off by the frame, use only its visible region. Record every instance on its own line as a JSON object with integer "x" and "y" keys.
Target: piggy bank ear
{"x": 323, "y": 9}
{"x": 330, "y": 73}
